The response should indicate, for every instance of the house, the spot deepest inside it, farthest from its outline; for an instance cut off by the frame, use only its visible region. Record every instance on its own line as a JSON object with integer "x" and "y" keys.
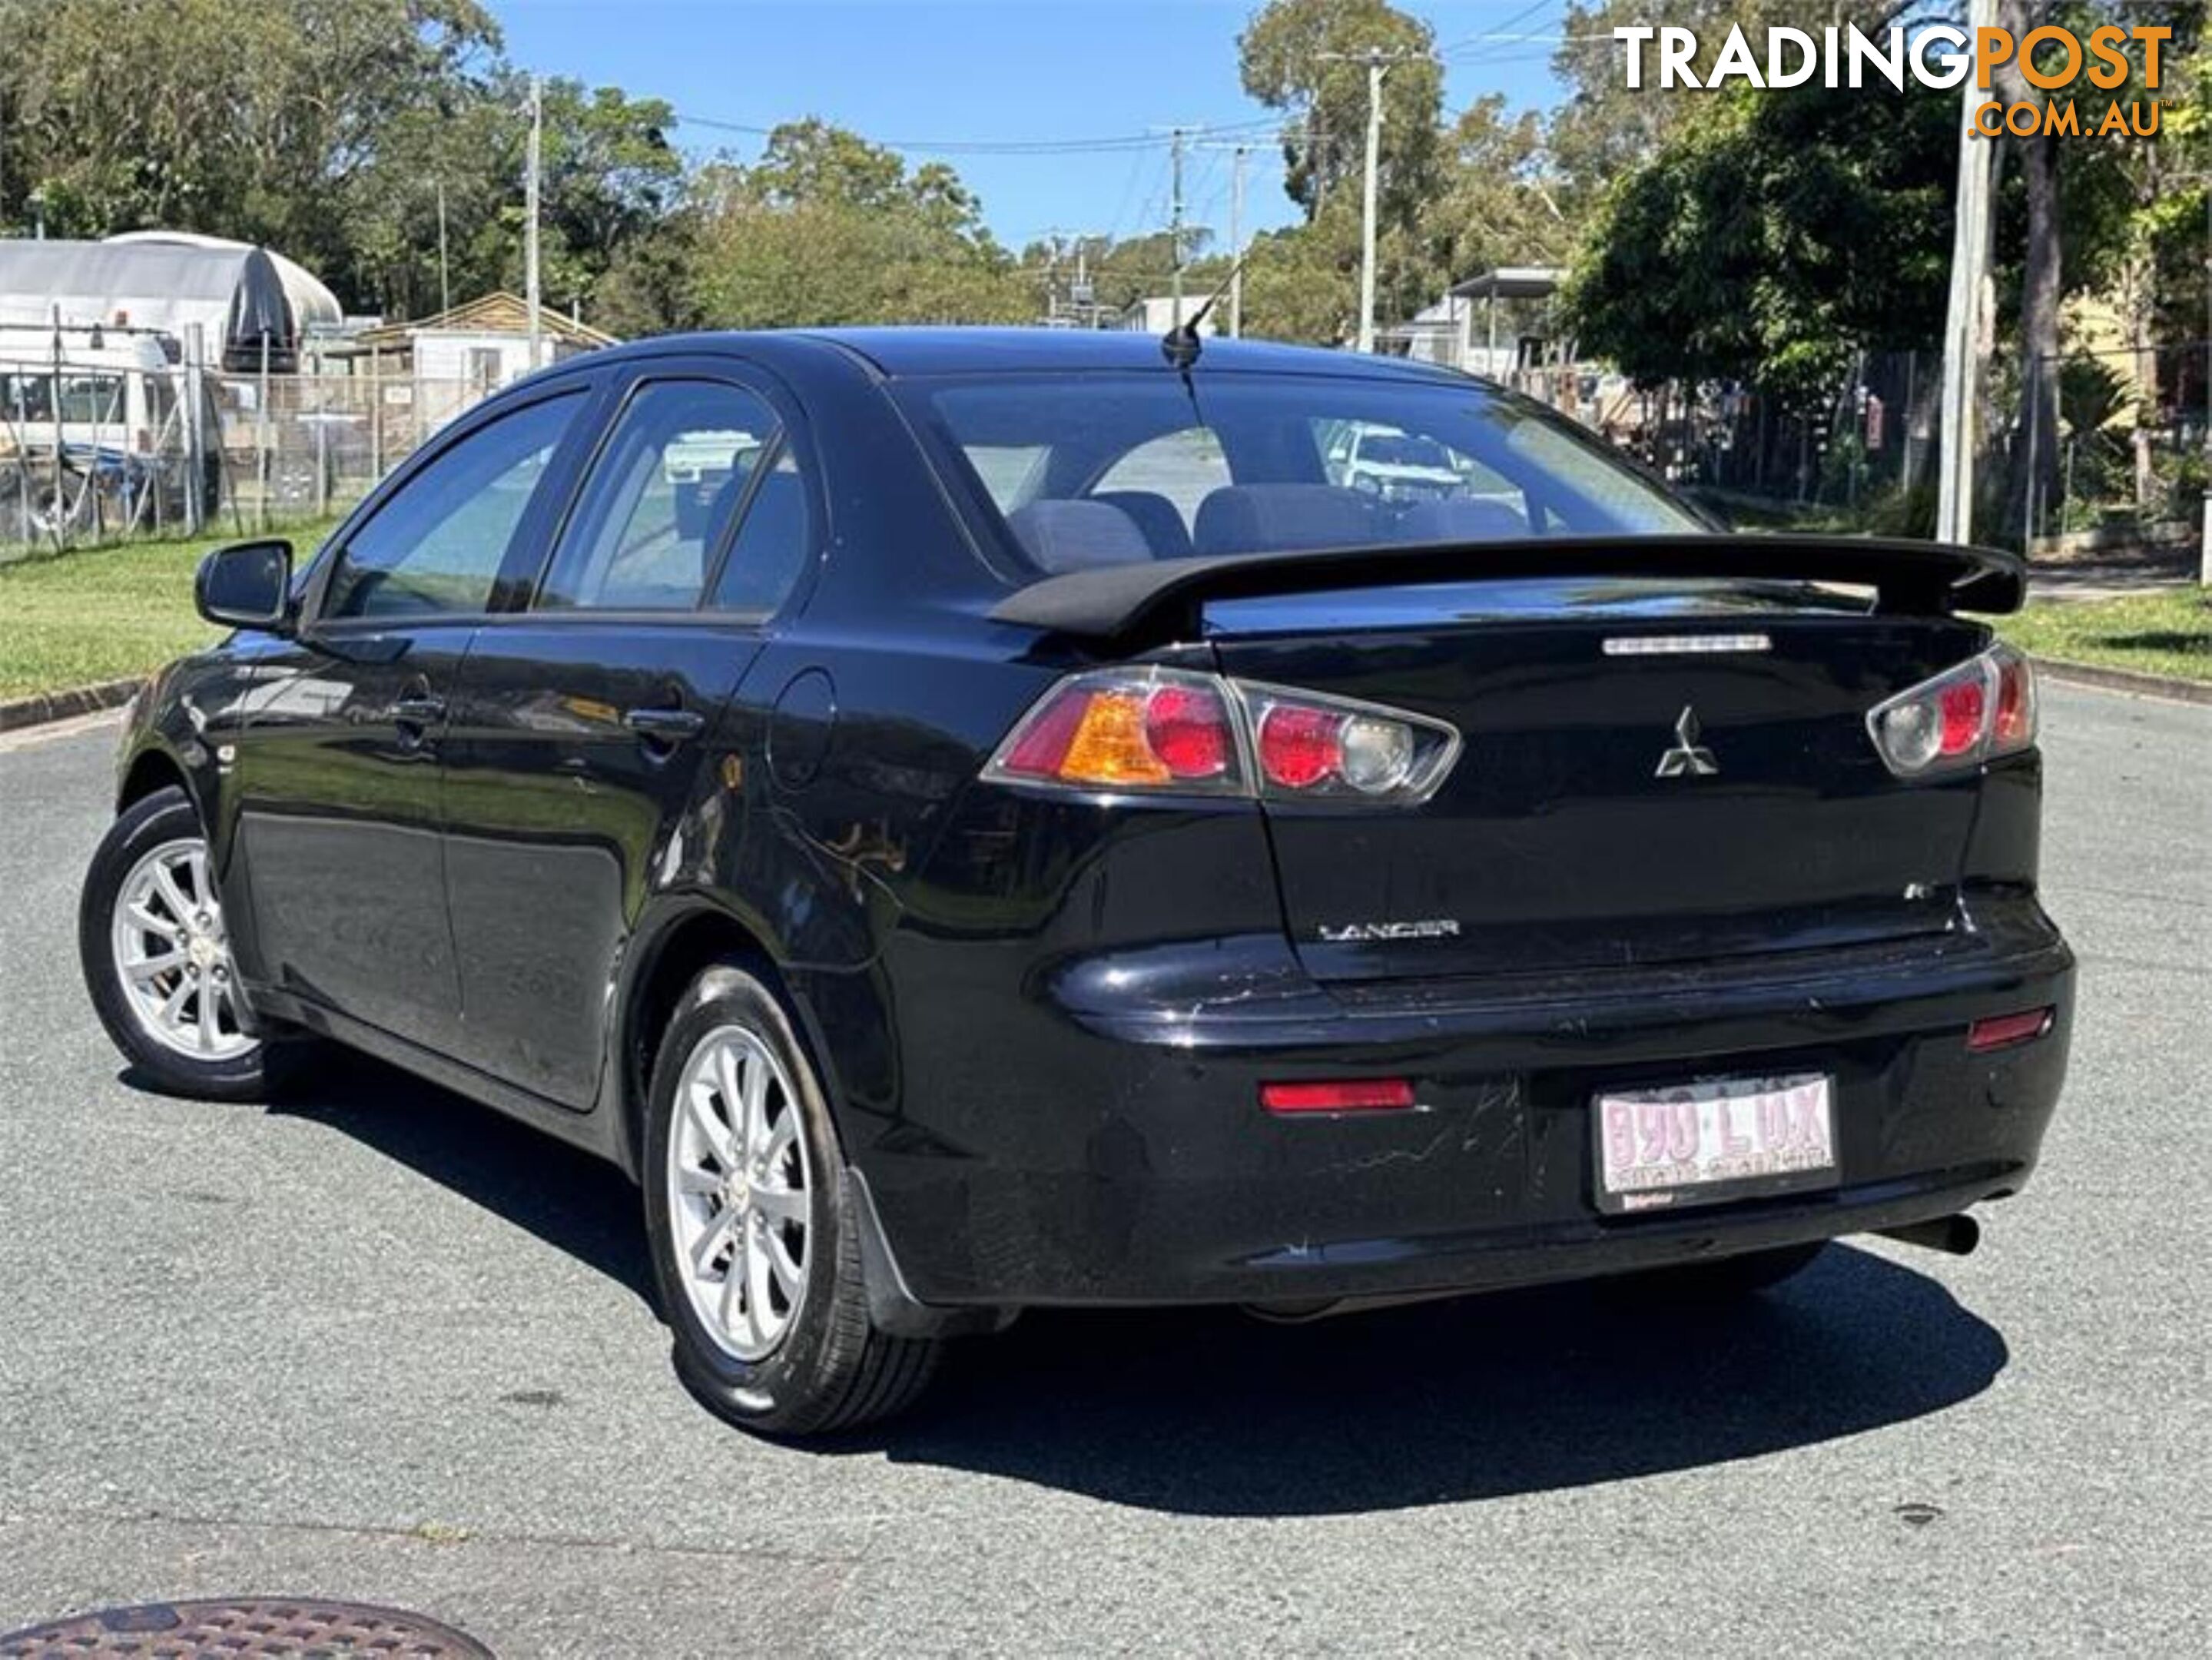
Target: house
{"x": 481, "y": 346}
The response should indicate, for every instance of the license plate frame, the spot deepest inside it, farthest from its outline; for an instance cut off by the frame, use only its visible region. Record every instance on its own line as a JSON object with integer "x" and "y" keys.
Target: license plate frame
{"x": 1782, "y": 1125}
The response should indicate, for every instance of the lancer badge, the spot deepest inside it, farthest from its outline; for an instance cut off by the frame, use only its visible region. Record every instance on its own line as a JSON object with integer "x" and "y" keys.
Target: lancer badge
{"x": 1688, "y": 754}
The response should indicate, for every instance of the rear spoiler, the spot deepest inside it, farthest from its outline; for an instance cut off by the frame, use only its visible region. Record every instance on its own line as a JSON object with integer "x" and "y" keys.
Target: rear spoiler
{"x": 1164, "y": 597}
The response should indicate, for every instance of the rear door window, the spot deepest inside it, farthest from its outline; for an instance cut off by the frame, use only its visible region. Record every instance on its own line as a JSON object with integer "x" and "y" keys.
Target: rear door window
{"x": 662, "y": 500}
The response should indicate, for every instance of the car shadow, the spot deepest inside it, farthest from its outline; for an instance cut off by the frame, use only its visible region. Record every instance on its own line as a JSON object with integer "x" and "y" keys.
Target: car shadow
{"x": 566, "y": 1197}
{"x": 1210, "y": 1414}
{"x": 1207, "y": 1413}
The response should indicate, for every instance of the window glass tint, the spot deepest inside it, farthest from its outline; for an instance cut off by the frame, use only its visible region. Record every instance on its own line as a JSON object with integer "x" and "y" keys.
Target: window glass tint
{"x": 437, "y": 546}
{"x": 660, "y": 499}
{"x": 773, "y": 543}
{"x": 1255, "y": 464}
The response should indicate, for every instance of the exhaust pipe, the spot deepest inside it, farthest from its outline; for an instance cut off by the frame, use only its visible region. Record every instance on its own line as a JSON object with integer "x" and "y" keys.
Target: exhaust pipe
{"x": 1955, "y": 1235}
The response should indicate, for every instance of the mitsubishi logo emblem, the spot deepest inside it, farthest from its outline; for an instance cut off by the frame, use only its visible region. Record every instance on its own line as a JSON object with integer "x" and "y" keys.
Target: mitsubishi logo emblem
{"x": 1688, "y": 754}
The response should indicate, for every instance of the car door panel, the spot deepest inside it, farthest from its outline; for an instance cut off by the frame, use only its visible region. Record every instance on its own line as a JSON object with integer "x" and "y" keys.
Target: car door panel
{"x": 565, "y": 817}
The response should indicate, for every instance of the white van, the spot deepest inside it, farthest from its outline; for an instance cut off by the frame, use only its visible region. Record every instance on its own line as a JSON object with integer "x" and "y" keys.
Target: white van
{"x": 106, "y": 404}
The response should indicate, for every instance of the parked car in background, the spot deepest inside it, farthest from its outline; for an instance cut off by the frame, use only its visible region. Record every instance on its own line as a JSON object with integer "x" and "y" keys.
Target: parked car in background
{"x": 1037, "y": 836}
{"x": 1399, "y": 466}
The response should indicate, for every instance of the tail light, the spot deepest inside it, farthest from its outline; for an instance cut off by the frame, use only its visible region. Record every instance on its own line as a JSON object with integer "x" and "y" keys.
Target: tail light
{"x": 1174, "y": 732}
{"x": 1982, "y": 710}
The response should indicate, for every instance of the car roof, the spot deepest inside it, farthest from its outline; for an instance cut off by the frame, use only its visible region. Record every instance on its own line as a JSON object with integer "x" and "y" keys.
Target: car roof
{"x": 966, "y": 351}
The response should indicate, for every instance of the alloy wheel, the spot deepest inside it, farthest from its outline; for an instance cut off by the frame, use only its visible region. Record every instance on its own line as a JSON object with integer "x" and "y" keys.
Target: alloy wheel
{"x": 737, "y": 1190}
{"x": 172, "y": 955}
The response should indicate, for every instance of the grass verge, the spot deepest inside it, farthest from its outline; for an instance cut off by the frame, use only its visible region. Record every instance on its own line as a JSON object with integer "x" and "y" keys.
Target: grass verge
{"x": 96, "y": 614}
{"x": 2167, "y": 632}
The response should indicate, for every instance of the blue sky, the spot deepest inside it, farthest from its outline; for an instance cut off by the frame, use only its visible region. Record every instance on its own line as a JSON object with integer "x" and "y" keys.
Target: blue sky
{"x": 926, "y": 74}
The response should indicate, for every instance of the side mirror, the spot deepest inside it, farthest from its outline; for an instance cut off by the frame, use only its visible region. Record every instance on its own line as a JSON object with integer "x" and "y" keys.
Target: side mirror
{"x": 247, "y": 584}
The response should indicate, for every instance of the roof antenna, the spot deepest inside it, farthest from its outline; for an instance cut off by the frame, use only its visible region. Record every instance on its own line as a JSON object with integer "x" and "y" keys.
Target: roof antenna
{"x": 1181, "y": 344}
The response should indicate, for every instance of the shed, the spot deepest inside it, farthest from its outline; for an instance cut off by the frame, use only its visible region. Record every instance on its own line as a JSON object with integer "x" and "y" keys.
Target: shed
{"x": 235, "y": 294}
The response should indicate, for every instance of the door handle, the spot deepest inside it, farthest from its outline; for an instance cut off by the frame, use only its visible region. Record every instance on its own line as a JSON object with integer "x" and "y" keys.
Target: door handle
{"x": 420, "y": 710}
{"x": 664, "y": 725}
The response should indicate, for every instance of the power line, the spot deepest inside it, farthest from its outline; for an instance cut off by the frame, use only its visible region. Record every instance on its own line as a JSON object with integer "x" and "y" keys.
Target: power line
{"x": 1102, "y": 145}
{"x": 1496, "y": 31}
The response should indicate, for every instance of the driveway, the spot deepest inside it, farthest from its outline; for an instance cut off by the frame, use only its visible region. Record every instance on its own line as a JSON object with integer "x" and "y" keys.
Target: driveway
{"x": 378, "y": 1344}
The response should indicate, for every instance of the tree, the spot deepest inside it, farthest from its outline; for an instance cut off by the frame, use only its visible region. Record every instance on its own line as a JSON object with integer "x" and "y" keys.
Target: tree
{"x": 283, "y": 106}
{"x": 1603, "y": 131}
{"x": 1294, "y": 57}
{"x": 1774, "y": 241}
{"x": 1493, "y": 203}
{"x": 828, "y": 229}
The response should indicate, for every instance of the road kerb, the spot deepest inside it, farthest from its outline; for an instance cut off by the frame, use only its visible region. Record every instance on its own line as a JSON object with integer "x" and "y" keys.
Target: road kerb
{"x": 51, "y": 706}
{"x": 2128, "y": 680}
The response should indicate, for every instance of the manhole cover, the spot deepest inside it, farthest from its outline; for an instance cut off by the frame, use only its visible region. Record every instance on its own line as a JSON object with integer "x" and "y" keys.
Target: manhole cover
{"x": 240, "y": 1628}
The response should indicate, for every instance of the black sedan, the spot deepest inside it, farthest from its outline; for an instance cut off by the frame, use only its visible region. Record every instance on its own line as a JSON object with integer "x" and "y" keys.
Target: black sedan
{"x": 973, "y": 820}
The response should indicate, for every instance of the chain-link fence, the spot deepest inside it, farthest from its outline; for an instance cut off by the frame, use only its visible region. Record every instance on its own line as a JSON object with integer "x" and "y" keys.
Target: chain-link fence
{"x": 92, "y": 453}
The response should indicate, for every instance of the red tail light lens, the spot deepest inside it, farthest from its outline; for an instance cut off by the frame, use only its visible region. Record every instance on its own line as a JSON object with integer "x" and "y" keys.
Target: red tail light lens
{"x": 1174, "y": 731}
{"x": 2014, "y": 726}
{"x": 2003, "y": 1030}
{"x": 1300, "y": 747}
{"x": 1356, "y": 1095}
{"x": 1981, "y": 709}
{"x": 1187, "y": 726}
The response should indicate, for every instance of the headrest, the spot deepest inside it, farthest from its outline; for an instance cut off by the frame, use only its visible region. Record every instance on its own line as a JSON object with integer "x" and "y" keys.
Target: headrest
{"x": 1063, "y": 535}
{"x": 1254, "y": 517}
{"x": 1462, "y": 519}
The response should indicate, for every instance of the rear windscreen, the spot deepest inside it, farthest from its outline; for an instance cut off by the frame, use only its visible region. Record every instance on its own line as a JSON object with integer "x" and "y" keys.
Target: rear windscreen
{"x": 1092, "y": 469}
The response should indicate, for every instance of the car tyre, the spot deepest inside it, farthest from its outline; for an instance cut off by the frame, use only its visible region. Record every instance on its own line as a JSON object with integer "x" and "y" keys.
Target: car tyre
{"x": 147, "y": 899}
{"x": 756, "y": 1252}
{"x": 1730, "y": 1277}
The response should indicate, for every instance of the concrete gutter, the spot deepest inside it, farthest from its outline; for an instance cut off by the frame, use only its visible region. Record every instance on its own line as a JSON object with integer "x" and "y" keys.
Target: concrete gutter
{"x": 2127, "y": 680}
{"x": 49, "y": 705}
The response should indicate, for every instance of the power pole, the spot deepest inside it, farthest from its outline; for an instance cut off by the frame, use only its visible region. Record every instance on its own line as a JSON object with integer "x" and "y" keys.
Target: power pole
{"x": 1175, "y": 219}
{"x": 1236, "y": 241}
{"x": 1379, "y": 64}
{"x": 1962, "y": 367}
{"x": 530, "y": 215}
{"x": 1375, "y": 68}
{"x": 445, "y": 271}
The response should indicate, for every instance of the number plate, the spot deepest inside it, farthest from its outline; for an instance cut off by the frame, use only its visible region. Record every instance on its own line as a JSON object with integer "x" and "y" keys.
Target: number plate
{"x": 1698, "y": 1143}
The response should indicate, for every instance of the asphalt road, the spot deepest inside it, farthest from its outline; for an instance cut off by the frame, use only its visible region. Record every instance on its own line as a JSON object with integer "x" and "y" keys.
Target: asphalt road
{"x": 378, "y": 1344}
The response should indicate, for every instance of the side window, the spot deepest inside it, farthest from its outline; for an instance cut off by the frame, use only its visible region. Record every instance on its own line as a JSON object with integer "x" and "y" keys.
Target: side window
{"x": 438, "y": 543}
{"x": 660, "y": 499}
{"x": 773, "y": 542}
{"x": 1186, "y": 467}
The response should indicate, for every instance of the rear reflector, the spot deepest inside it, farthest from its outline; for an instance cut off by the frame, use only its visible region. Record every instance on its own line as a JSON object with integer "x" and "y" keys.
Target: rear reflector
{"x": 2002, "y": 1030}
{"x": 1362, "y": 1095}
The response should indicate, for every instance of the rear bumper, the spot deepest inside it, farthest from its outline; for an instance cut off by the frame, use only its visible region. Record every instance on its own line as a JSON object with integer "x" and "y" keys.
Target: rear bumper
{"x": 1088, "y": 1131}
